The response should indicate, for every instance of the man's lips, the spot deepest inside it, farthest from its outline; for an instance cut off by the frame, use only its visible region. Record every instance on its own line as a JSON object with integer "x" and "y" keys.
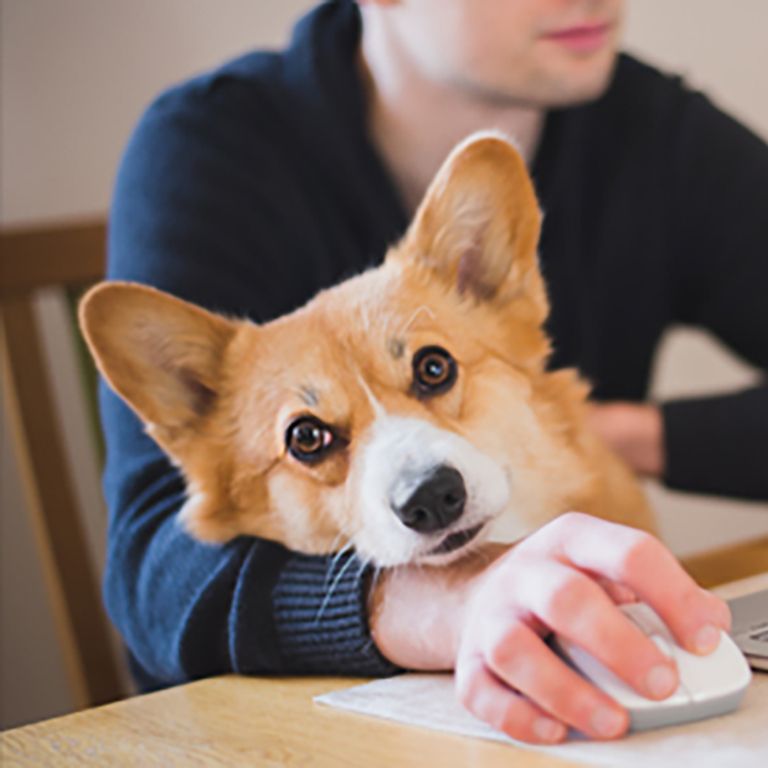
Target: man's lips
{"x": 582, "y": 38}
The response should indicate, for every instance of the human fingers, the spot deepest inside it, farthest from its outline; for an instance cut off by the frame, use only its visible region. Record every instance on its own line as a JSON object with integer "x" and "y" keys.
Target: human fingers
{"x": 643, "y": 564}
{"x": 516, "y": 655}
{"x": 504, "y": 709}
{"x": 619, "y": 593}
{"x": 575, "y": 607}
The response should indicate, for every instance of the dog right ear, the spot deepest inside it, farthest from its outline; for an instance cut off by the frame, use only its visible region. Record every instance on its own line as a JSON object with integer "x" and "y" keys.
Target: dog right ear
{"x": 477, "y": 228}
{"x": 160, "y": 354}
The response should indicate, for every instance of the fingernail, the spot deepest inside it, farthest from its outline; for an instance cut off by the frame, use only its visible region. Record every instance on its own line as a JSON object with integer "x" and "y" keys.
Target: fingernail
{"x": 661, "y": 681}
{"x": 607, "y": 722}
{"x": 548, "y": 730}
{"x": 707, "y": 639}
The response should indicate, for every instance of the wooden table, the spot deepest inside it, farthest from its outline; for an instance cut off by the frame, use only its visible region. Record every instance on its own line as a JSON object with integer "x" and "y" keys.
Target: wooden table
{"x": 240, "y": 721}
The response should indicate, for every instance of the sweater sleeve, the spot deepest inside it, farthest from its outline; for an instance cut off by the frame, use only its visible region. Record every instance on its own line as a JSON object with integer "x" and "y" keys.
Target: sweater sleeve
{"x": 719, "y": 444}
{"x": 201, "y": 210}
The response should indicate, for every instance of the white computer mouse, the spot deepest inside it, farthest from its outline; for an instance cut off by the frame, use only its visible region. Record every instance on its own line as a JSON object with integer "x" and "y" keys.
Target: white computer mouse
{"x": 709, "y": 685}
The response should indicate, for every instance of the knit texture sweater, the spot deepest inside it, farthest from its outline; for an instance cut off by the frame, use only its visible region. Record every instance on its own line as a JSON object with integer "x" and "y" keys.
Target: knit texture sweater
{"x": 249, "y": 188}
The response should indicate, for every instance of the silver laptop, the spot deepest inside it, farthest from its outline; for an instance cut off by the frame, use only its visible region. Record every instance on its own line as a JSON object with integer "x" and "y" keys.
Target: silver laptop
{"x": 750, "y": 627}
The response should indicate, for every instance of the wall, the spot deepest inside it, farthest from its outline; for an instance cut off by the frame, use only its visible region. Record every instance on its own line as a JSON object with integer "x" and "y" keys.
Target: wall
{"x": 74, "y": 77}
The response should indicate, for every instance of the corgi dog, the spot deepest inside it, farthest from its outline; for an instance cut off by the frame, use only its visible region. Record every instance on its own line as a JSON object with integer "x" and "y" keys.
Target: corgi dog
{"x": 406, "y": 412}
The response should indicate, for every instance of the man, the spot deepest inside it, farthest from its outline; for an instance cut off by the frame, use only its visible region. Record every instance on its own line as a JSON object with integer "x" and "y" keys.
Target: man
{"x": 250, "y": 188}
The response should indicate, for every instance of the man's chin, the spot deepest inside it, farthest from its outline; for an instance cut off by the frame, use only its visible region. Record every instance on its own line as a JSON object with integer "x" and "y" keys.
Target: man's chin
{"x": 574, "y": 97}
{"x": 553, "y": 90}
{"x": 581, "y": 84}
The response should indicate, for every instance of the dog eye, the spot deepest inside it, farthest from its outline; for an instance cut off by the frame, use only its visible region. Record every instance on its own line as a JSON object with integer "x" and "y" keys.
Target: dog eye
{"x": 434, "y": 371}
{"x": 308, "y": 439}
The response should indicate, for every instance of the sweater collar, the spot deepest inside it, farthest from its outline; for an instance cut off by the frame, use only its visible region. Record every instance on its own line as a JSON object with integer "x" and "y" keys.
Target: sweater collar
{"x": 321, "y": 69}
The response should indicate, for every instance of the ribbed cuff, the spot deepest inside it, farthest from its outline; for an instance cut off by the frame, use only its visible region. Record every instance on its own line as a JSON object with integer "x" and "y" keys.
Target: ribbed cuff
{"x": 253, "y": 644}
{"x": 718, "y": 445}
{"x": 319, "y": 606}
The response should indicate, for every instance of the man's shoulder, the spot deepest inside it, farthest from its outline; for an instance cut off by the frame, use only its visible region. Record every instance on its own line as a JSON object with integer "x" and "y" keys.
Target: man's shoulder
{"x": 270, "y": 101}
{"x": 242, "y": 96}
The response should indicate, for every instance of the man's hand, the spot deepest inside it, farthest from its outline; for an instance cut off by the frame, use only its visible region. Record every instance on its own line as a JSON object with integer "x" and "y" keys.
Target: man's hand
{"x": 635, "y": 431}
{"x": 487, "y": 619}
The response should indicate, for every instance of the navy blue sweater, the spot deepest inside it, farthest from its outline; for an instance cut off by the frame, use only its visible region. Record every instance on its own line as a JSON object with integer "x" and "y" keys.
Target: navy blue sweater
{"x": 250, "y": 188}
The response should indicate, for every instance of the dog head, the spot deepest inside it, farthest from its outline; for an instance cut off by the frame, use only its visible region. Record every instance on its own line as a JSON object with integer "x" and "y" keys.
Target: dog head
{"x": 400, "y": 412}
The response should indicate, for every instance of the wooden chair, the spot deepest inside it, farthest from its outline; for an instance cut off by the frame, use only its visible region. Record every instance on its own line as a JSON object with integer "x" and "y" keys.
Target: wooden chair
{"x": 32, "y": 258}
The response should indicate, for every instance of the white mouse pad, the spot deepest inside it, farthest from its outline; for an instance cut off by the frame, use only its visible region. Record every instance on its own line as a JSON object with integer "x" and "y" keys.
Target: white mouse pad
{"x": 737, "y": 739}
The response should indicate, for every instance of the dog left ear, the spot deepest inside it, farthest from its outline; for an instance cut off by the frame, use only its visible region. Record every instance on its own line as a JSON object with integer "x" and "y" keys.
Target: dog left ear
{"x": 479, "y": 223}
{"x": 159, "y": 353}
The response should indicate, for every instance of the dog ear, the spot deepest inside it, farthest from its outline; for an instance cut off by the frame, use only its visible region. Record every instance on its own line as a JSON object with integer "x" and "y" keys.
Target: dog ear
{"x": 479, "y": 223}
{"x": 159, "y": 353}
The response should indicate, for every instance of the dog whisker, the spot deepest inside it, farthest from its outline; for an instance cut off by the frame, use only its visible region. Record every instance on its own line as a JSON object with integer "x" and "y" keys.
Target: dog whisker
{"x": 365, "y": 563}
{"x": 412, "y": 319}
{"x": 335, "y": 559}
{"x": 337, "y": 541}
{"x": 375, "y": 576}
{"x": 335, "y": 584}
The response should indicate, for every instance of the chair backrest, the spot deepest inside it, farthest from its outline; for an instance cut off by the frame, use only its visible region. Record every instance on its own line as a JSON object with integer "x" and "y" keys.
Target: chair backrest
{"x": 67, "y": 256}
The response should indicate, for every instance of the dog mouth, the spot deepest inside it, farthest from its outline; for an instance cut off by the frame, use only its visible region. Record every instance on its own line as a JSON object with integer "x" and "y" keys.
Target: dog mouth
{"x": 456, "y": 540}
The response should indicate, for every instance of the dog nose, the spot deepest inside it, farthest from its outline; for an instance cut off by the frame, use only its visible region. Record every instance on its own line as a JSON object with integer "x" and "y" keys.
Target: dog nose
{"x": 436, "y": 503}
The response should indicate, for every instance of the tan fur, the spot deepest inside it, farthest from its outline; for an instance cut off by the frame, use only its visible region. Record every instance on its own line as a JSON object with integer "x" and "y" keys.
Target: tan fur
{"x": 218, "y": 394}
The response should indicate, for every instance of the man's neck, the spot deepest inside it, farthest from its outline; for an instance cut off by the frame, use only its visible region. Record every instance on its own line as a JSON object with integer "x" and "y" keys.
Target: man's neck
{"x": 414, "y": 122}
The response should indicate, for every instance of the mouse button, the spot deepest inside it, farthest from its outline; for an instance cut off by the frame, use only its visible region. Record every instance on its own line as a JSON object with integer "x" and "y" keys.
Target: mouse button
{"x": 646, "y": 620}
{"x": 723, "y": 671}
{"x": 668, "y": 649}
{"x": 611, "y": 684}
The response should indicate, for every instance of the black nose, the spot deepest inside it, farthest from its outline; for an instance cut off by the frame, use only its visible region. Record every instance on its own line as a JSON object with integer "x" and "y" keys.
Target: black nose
{"x": 436, "y": 503}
